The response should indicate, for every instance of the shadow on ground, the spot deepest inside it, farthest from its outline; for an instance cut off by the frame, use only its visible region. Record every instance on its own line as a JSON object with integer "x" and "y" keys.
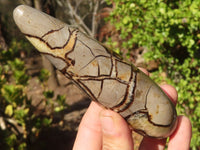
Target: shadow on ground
{"x": 62, "y": 138}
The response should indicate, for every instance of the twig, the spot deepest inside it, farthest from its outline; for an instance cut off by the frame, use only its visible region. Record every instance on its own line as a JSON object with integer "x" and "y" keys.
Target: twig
{"x": 78, "y": 18}
{"x": 14, "y": 125}
{"x": 77, "y": 4}
{"x": 94, "y": 18}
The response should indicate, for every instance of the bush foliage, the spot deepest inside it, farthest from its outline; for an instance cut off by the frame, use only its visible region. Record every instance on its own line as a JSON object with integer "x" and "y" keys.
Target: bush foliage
{"x": 170, "y": 30}
{"x": 20, "y": 124}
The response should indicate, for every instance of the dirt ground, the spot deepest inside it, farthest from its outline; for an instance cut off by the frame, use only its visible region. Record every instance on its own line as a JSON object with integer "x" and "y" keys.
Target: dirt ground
{"x": 62, "y": 134}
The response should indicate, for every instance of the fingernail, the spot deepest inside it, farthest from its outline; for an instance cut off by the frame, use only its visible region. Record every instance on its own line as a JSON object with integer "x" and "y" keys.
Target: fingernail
{"x": 107, "y": 123}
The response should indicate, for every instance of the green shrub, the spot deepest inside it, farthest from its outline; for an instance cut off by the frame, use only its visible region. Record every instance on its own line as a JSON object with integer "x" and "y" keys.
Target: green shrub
{"x": 170, "y": 30}
{"x": 19, "y": 122}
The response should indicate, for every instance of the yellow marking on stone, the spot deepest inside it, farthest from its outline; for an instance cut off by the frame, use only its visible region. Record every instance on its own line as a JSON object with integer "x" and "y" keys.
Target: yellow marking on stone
{"x": 71, "y": 42}
{"x": 58, "y": 52}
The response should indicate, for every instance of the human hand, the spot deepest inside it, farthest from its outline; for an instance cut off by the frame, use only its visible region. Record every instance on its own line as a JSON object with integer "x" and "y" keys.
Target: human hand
{"x": 103, "y": 129}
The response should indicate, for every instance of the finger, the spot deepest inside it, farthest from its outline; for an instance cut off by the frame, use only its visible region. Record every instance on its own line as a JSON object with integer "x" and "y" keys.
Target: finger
{"x": 116, "y": 133}
{"x": 89, "y": 135}
{"x": 171, "y": 92}
{"x": 158, "y": 144}
{"x": 182, "y": 135}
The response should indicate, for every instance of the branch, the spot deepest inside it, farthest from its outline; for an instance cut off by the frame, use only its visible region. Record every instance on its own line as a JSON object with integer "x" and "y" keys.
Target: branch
{"x": 13, "y": 123}
{"x": 94, "y": 18}
{"x": 102, "y": 2}
{"x": 77, "y": 4}
{"x": 78, "y": 19}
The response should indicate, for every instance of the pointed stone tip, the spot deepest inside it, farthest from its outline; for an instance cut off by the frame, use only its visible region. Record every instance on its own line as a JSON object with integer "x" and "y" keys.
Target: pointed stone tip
{"x": 18, "y": 11}
{"x": 31, "y": 21}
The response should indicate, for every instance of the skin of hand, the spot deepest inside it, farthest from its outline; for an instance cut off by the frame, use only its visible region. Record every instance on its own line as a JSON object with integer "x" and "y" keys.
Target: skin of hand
{"x": 103, "y": 129}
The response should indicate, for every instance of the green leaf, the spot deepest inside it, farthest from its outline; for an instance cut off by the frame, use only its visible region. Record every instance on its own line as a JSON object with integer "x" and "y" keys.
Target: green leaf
{"x": 11, "y": 140}
{"x": 46, "y": 121}
{"x": 13, "y": 94}
{"x": 48, "y": 94}
{"x": 126, "y": 20}
{"x": 44, "y": 75}
{"x": 9, "y": 110}
{"x": 58, "y": 108}
{"x": 22, "y": 146}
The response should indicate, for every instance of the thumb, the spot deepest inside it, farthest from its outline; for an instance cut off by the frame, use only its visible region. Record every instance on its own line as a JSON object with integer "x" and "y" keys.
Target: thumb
{"x": 116, "y": 133}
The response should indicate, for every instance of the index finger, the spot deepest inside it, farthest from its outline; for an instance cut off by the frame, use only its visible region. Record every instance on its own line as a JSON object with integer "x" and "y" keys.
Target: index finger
{"x": 89, "y": 135}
